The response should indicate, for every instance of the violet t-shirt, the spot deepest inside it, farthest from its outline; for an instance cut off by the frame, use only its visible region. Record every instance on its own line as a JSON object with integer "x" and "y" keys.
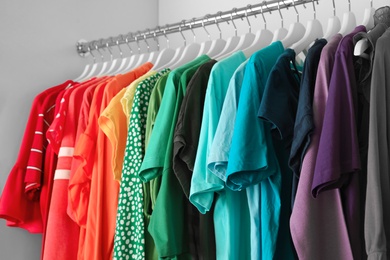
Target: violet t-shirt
{"x": 338, "y": 160}
{"x": 322, "y": 215}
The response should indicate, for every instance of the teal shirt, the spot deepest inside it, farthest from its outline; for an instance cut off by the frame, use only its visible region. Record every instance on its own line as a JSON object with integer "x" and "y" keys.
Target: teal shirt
{"x": 231, "y": 213}
{"x": 217, "y": 160}
{"x": 204, "y": 183}
{"x": 252, "y": 159}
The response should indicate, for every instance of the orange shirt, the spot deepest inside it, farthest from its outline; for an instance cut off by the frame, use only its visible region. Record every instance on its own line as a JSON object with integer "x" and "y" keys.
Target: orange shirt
{"x": 113, "y": 123}
{"x": 79, "y": 183}
{"x": 95, "y": 151}
{"x": 62, "y": 134}
{"x": 81, "y": 127}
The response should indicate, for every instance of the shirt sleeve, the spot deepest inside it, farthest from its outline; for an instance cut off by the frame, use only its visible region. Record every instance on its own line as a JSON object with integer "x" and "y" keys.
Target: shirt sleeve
{"x": 155, "y": 154}
{"x": 338, "y": 152}
{"x": 15, "y": 207}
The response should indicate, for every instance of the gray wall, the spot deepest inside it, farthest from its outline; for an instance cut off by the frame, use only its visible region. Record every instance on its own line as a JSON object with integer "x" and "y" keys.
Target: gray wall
{"x": 37, "y": 50}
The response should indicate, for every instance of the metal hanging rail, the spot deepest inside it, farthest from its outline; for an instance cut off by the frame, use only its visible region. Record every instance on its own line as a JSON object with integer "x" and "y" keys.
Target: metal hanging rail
{"x": 210, "y": 19}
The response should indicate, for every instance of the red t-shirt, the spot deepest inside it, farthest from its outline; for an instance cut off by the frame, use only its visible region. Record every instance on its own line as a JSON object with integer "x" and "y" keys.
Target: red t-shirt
{"x": 20, "y": 202}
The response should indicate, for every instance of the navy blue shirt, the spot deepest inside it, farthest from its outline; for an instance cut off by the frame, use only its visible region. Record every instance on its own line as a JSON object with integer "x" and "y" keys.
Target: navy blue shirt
{"x": 304, "y": 123}
{"x": 278, "y": 107}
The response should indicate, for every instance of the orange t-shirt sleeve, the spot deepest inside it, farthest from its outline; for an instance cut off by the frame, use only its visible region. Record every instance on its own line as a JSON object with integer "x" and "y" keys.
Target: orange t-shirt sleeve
{"x": 113, "y": 122}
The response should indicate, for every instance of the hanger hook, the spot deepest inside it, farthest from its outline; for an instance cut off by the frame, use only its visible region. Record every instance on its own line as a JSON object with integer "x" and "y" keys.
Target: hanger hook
{"x": 231, "y": 19}
{"x": 128, "y": 44}
{"x": 217, "y": 24}
{"x": 97, "y": 49}
{"x": 136, "y": 41}
{"x": 296, "y": 11}
{"x": 314, "y": 9}
{"x": 266, "y": 6}
{"x": 182, "y": 35}
{"x": 147, "y": 44}
{"x": 262, "y": 14}
{"x": 165, "y": 35}
{"x": 235, "y": 10}
{"x": 93, "y": 56}
{"x": 119, "y": 47}
{"x": 334, "y": 8}
{"x": 250, "y": 7}
{"x": 109, "y": 49}
{"x": 155, "y": 37}
{"x": 190, "y": 25}
{"x": 247, "y": 19}
{"x": 280, "y": 13}
{"x": 204, "y": 28}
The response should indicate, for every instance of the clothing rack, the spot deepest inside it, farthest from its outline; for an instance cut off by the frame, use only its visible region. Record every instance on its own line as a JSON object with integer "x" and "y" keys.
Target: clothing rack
{"x": 210, "y": 19}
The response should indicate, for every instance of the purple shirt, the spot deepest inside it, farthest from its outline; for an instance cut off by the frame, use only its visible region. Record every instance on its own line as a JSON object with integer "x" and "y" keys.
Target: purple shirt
{"x": 323, "y": 215}
{"x": 338, "y": 161}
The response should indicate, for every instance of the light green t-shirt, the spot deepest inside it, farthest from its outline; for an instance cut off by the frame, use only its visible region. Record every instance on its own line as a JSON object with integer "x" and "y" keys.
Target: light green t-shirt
{"x": 152, "y": 187}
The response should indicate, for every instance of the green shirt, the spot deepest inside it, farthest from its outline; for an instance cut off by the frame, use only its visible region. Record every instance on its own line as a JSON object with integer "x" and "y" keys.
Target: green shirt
{"x": 129, "y": 235}
{"x": 151, "y": 188}
{"x": 169, "y": 209}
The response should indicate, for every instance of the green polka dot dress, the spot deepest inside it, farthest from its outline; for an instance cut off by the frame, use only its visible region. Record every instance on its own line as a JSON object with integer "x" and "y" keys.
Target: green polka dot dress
{"x": 129, "y": 242}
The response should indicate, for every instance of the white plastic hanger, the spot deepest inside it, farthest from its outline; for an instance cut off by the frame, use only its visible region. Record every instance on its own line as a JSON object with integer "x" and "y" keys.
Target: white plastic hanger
{"x": 132, "y": 59}
{"x": 125, "y": 61}
{"x": 205, "y": 46}
{"x": 217, "y": 45}
{"x": 87, "y": 67}
{"x": 334, "y": 24}
{"x": 96, "y": 66}
{"x": 281, "y": 32}
{"x": 368, "y": 19}
{"x": 189, "y": 53}
{"x": 362, "y": 45}
{"x": 117, "y": 63}
{"x": 154, "y": 54}
{"x": 106, "y": 64}
{"x": 246, "y": 40}
{"x": 349, "y": 21}
{"x": 313, "y": 32}
{"x": 177, "y": 53}
{"x": 263, "y": 37}
{"x": 231, "y": 43}
{"x": 295, "y": 32}
{"x": 143, "y": 57}
{"x": 164, "y": 56}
